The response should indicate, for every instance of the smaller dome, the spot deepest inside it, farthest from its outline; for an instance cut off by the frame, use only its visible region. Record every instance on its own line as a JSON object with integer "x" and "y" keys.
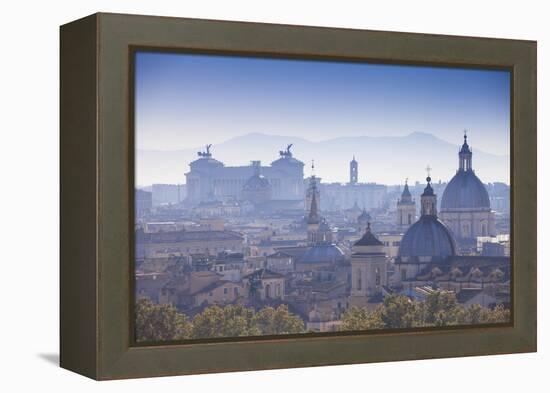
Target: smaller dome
{"x": 428, "y": 237}
{"x": 364, "y": 217}
{"x": 257, "y": 183}
{"x": 323, "y": 253}
{"x": 257, "y": 189}
{"x": 354, "y": 209}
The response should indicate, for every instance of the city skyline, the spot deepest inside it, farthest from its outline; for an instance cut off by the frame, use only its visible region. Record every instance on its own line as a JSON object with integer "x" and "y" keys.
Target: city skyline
{"x": 332, "y": 158}
{"x": 287, "y": 223}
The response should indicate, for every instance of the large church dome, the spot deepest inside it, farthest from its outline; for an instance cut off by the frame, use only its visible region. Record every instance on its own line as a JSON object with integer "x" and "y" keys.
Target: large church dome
{"x": 427, "y": 237}
{"x": 465, "y": 191}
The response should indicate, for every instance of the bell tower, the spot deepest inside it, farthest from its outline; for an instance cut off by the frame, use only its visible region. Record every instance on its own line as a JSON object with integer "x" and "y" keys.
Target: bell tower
{"x": 313, "y": 221}
{"x": 406, "y": 209}
{"x": 353, "y": 171}
{"x": 313, "y": 189}
{"x": 428, "y": 199}
{"x": 368, "y": 268}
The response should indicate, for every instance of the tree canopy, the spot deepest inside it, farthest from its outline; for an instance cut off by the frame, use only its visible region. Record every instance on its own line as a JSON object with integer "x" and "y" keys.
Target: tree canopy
{"x": 399, "y": 312}
{"x": 161, "y": 322}
{"x": 278, "y": 320}
{"x": 358, "y": 318}
{"x": 440, "y": 308}
{"x": 157, "y": 322}
{"x": 228, "y": 321}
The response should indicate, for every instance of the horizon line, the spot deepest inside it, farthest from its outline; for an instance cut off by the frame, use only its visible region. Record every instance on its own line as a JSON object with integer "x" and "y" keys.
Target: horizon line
{"x": 413, "y": 184}
{"x": 314, "y": 142}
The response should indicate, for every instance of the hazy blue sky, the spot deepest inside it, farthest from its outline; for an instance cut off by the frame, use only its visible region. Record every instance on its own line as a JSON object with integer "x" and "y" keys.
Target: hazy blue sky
{"x": 186, "y": 100}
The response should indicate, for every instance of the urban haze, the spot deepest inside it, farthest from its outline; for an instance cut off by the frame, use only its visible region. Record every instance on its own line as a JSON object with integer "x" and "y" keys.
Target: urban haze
{"x": 282, "y": 197}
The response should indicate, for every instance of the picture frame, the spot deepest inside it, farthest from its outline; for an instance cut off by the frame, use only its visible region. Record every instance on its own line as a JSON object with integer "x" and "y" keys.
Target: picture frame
{"x": 97, "y": 200}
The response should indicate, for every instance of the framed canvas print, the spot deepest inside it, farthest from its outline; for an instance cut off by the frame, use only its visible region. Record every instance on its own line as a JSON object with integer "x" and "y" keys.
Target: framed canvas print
{"x": 241, "y": 196}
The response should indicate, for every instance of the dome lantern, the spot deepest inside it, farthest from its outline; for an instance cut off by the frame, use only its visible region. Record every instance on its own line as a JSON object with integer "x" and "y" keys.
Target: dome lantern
{"x": 428, "y": 199}
{"x": 465, "y": 155}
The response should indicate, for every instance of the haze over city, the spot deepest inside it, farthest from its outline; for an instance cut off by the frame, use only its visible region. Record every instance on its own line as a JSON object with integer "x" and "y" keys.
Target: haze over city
{"x": 266, "y": 199}
{"x": 184, "y": 101}
{"x": 409, "y": 154}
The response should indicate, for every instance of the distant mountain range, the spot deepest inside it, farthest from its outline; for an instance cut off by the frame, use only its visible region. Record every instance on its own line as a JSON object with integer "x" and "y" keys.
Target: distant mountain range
{"x": 386, "y": 160}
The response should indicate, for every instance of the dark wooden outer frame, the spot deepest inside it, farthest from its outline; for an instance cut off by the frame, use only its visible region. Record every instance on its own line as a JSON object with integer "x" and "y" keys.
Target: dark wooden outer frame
{"x": 97, "y": 179}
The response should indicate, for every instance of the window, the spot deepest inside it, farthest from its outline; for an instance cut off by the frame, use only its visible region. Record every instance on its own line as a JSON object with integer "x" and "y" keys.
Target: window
{"x": 225, "y": 290}
{"x": 236, "y": 291}
{"x": 403, "y": 274}
{"x": 377, "y": 272}
{"x": 210, "y": 293}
